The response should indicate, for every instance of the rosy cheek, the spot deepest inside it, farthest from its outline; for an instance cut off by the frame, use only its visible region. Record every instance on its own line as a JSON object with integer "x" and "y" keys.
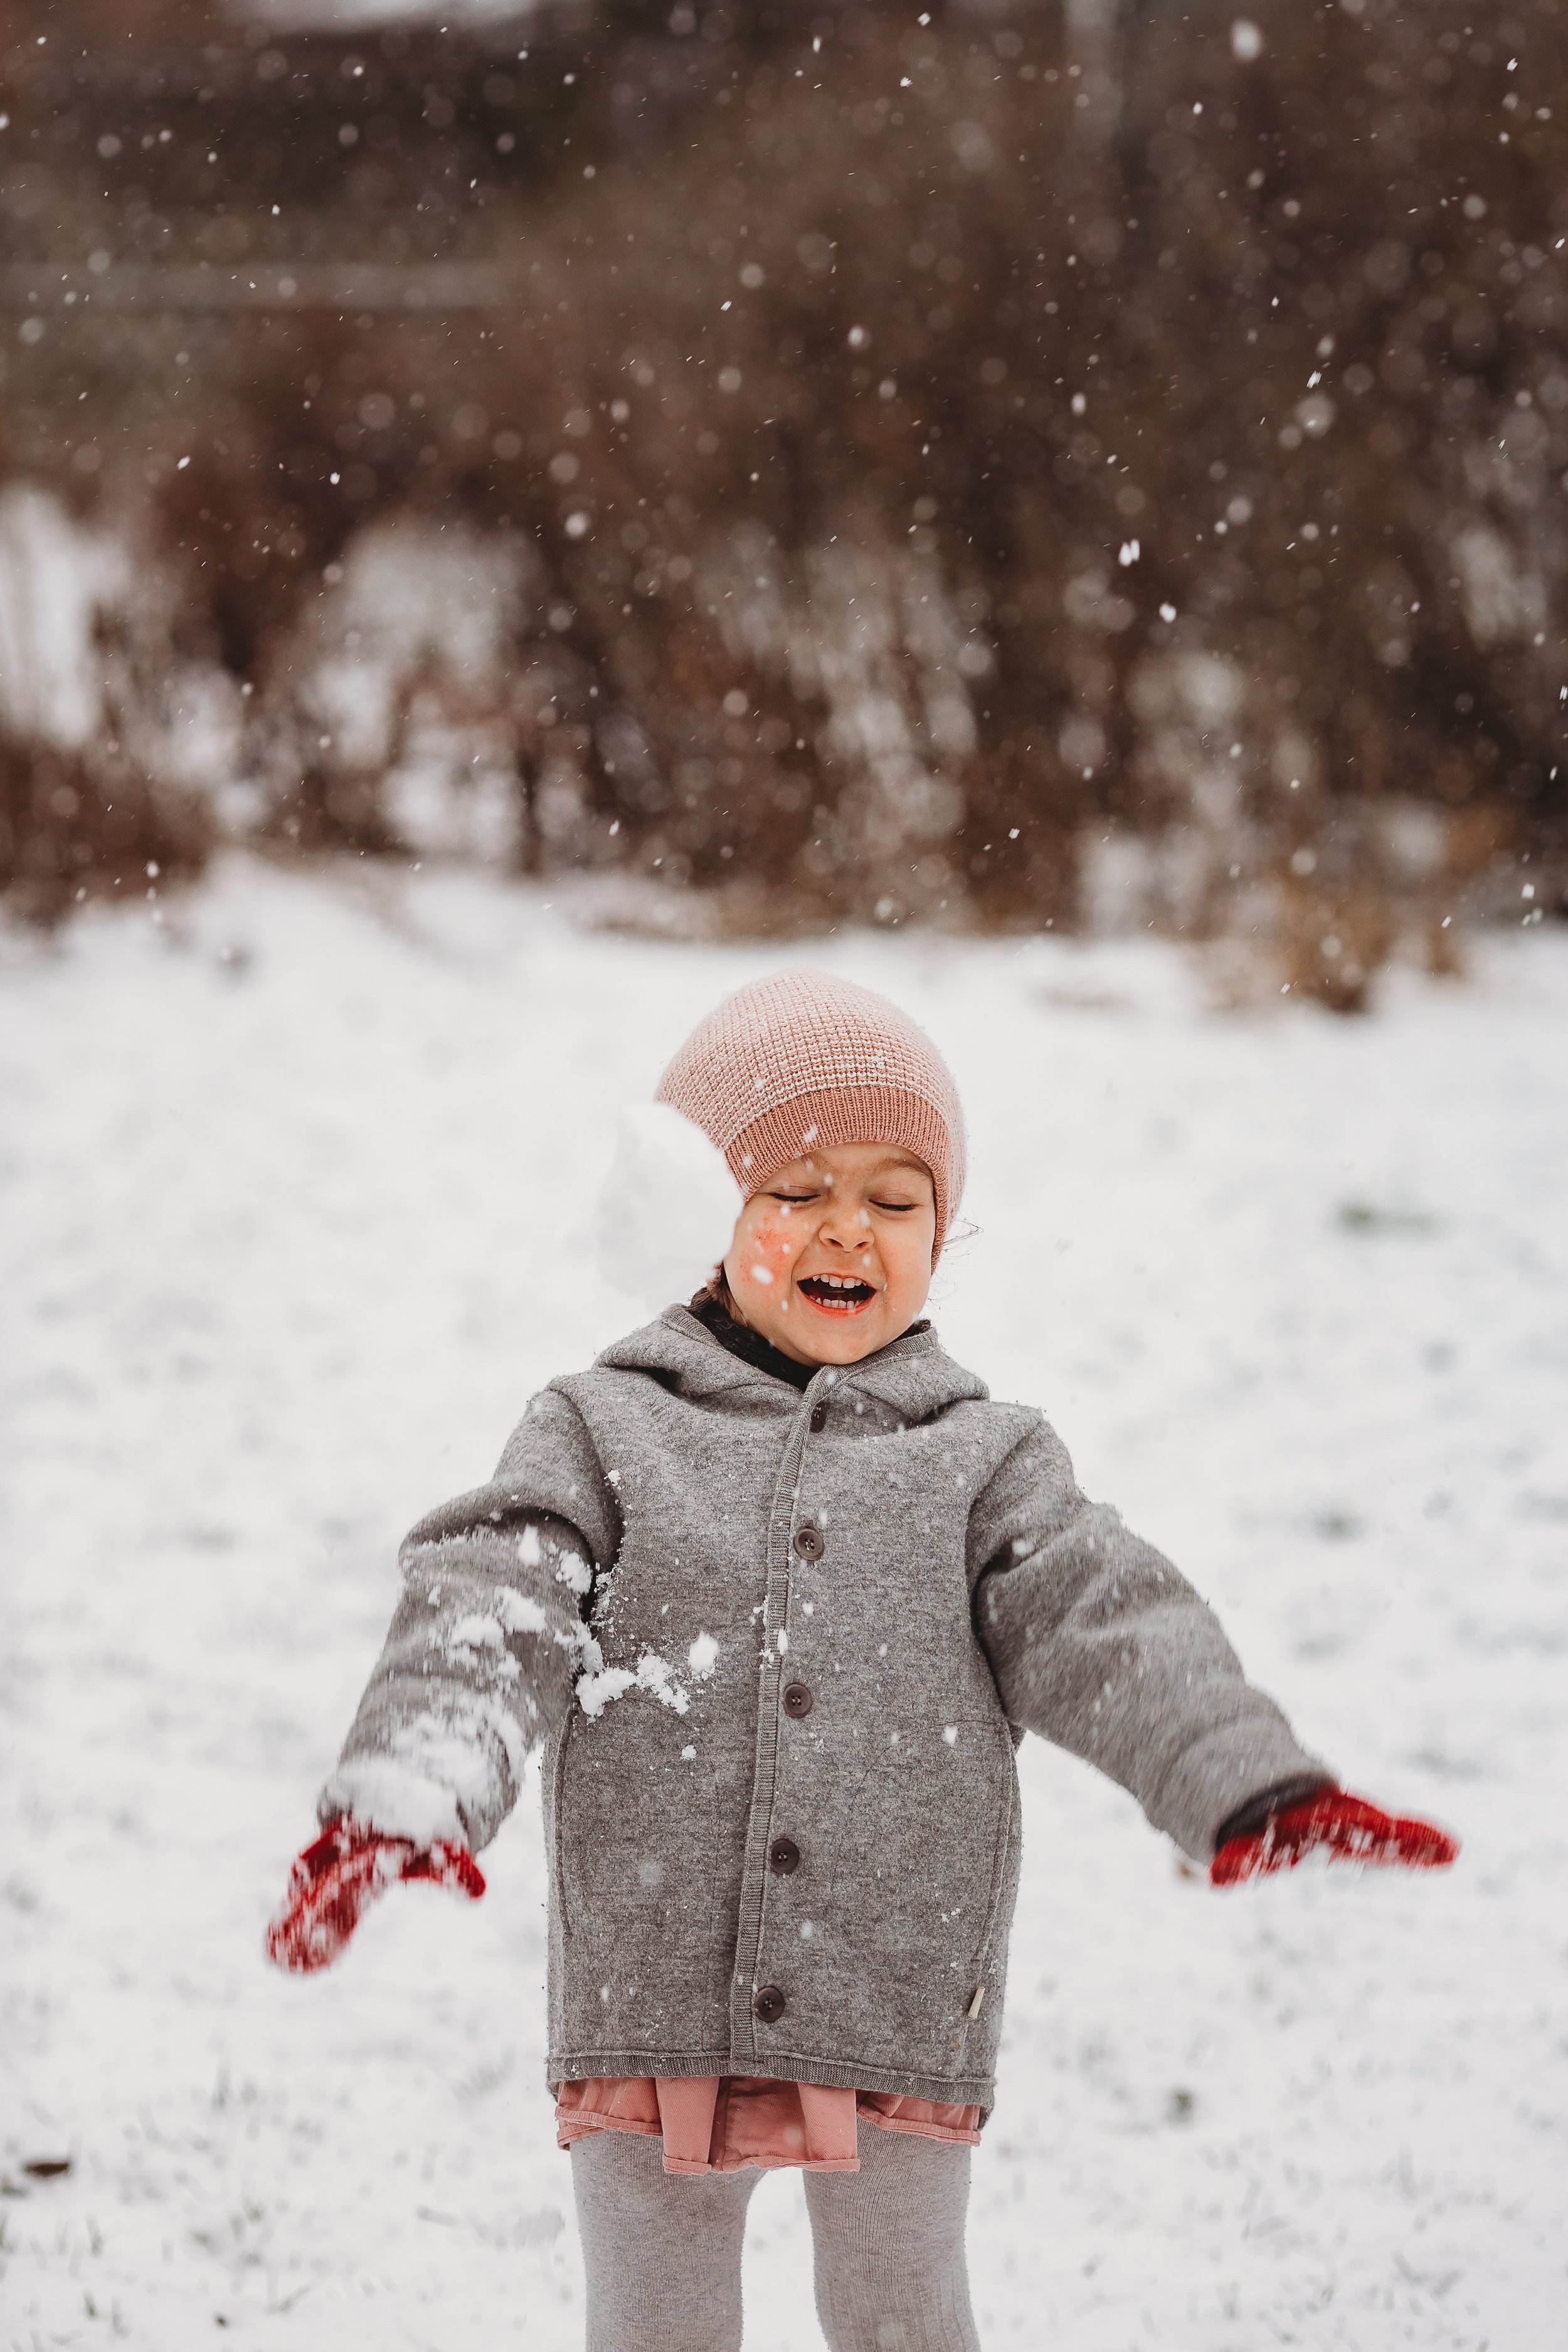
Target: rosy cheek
{"x": 775, "y": 1242}
{"x": 768, "y": 1252}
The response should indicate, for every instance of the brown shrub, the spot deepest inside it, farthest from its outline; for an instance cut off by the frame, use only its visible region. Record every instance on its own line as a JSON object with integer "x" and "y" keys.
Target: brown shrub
{"x": 926, "y": 471}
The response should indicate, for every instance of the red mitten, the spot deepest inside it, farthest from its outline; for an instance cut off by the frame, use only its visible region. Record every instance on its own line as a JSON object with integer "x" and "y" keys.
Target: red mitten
{"x": 336, "y": 1880}
{"x": 1346, "y": 1826}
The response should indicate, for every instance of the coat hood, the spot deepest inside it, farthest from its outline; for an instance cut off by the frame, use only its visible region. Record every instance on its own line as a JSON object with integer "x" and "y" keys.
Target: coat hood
{"x": 914, "y": 1376}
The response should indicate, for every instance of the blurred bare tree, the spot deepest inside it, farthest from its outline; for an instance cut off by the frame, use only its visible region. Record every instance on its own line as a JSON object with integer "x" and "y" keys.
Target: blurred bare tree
{"x": 1016, "y": 466}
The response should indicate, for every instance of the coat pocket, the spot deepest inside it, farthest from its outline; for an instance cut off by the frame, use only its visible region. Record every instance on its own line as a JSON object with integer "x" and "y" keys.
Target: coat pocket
{"x": 919, "y": 1877}
{"x": 635, "y": 1864}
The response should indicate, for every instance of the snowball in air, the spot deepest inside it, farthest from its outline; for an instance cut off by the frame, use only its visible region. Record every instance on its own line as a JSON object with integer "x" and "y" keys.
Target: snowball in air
{"x": 668, "y": 1209}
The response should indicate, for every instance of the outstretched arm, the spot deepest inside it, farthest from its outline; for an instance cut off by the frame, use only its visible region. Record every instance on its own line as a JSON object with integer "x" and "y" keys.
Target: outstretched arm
{"x": 477, "y": 1669}
{"x": 1099, "y": 1644}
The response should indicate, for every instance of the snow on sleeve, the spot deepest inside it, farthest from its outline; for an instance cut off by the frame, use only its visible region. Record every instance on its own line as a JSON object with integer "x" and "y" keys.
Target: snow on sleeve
{"x": 477, "y": 1634}
{"x": 519, "y": 1614}
{"x": 389, "y": 1794}
{"x": 435, "y": 1775}
{"x": 477, "y": 1665}
{"x": 572, "y": 1570}
{"x": 567, "y": 1565}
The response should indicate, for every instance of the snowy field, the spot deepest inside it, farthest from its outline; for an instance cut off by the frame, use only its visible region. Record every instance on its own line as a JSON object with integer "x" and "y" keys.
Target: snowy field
{"x": 295, "y": 1186}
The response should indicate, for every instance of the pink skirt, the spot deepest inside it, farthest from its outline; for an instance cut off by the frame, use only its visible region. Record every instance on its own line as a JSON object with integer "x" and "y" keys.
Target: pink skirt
{"x": 722, "y": 2123}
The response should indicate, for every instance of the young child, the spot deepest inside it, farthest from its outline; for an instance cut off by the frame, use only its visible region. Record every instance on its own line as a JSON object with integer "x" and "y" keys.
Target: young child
{"x": 779, "y": 1588}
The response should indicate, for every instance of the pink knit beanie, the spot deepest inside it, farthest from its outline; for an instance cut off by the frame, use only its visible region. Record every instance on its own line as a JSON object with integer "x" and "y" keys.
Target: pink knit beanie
{"x": 803, "y": 1059}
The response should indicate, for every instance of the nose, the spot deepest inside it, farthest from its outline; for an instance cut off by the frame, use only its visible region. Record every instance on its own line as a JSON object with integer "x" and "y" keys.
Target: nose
{"x": 844, "y": 1228}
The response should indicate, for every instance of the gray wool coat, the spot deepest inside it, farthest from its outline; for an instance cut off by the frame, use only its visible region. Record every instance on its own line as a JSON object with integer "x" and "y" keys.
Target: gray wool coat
{"x": 778, "y": 1648}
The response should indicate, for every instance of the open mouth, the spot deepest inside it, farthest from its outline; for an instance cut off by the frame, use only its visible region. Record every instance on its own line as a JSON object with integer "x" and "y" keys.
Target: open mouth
{"x": 837, "y": 1294}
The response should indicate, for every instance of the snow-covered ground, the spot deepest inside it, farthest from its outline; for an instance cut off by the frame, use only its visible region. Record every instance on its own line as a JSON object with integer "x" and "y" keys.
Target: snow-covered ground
{"x": 297, "y": 1190}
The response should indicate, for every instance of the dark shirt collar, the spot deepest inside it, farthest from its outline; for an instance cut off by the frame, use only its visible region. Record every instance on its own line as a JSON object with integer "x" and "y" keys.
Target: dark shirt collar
{"x": 753, "y": 1349}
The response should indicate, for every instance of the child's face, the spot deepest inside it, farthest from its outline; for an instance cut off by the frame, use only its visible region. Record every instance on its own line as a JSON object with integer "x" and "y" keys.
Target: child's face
{"x": 832, "y": 1260}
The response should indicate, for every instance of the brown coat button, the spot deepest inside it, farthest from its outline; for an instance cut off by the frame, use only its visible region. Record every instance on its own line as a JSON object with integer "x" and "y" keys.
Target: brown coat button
{"x": 808, "y": 1541}
{"x": 818, "y": 1419}
{"x": 783, "y": 1855}
{"x": 797, "y": 1700}
{"x": 770, "y": 2004}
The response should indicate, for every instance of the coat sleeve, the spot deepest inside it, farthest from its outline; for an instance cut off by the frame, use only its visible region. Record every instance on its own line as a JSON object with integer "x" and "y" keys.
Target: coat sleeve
{"x": 485, "y": 1642}
{"x": 1098, "y": 1644}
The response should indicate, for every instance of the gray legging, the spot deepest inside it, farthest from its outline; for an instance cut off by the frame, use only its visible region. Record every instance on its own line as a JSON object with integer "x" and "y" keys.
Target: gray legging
{"x": 662, "y": 2251}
